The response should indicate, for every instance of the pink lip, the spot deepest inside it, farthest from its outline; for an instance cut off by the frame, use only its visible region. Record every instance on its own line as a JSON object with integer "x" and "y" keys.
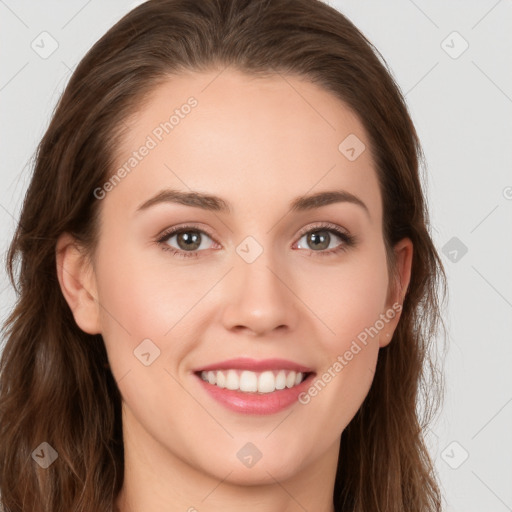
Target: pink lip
{"x": 256, "y": 403}
{"x": 245, "y": 363}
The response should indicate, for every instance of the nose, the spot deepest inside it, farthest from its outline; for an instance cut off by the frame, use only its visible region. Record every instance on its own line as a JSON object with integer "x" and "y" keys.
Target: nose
{"x": 259, "y": 298}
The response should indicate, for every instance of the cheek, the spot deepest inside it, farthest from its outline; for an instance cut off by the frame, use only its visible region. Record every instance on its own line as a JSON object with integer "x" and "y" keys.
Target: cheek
{"x": 140, "y": 300}
{"x": 144, "y": 297}
{"x": 140, "y": 306}
{"x": 350, "y": 304}
{"x": 347, "y": 299}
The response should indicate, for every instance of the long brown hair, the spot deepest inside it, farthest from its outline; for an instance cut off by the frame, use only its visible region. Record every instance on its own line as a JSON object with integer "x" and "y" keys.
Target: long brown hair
{"x": 55, "y": 384}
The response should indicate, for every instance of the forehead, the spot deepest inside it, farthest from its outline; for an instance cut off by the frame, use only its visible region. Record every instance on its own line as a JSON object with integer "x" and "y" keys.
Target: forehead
{"x": 255, "y": 141}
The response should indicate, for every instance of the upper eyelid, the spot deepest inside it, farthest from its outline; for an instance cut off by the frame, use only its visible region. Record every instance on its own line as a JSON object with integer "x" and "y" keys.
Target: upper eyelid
{"x": 323, "y": 225}
{"x": 167, "y": 233}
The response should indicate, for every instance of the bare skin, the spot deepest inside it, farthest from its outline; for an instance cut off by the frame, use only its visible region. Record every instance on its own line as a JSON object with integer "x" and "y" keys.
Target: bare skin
{"x": 258, "y": 144}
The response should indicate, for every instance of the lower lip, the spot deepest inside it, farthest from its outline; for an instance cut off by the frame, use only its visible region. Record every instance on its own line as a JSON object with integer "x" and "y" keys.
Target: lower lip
{"x": 256, "y": 403}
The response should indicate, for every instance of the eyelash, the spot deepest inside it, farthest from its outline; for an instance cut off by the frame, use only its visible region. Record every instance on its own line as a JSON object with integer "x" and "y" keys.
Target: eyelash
{"x": 347, "y": 240}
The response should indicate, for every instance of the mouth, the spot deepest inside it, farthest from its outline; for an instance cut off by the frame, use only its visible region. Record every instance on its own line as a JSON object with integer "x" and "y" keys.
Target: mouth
{"x": 247, "y": 381}
{"x": 249, "y": 386}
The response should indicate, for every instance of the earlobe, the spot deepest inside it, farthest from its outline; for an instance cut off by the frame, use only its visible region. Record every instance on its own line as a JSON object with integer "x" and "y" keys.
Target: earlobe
{"x": 77, "y": 283}
{"x": 403, "y": 257}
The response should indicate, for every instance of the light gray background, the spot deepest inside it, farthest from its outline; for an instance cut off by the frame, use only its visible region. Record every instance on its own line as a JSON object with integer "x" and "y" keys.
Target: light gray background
{"x": 461, "y": 105}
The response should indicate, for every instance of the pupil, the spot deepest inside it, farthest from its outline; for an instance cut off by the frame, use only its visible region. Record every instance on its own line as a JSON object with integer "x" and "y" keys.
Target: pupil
{"x": 323, "y": 239}
{"x": 187, "y": 242}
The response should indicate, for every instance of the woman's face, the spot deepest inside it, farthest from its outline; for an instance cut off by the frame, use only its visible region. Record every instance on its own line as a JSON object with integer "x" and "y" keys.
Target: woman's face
{"x": 248, "y": 276}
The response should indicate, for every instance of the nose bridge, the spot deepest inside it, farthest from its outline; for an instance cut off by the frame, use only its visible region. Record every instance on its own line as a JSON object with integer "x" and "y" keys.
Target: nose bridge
{"x": 259, "y": 297}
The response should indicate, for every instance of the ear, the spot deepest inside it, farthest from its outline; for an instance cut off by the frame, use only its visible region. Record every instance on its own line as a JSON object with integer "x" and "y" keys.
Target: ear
{"x": 77, "y": 283}
{"x": 398, "y": 288}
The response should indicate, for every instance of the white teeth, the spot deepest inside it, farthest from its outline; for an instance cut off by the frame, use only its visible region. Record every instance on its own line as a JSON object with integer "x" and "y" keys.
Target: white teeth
{"x": 290, "y": 380}
{"x": 251, "y": 382}
{"x": 266, "y": 382}
{"x": 281, "y": 380}
{"x": 232, "y": 380}
{"x": 248, "y": 381}
{"x": 221, "y": 380}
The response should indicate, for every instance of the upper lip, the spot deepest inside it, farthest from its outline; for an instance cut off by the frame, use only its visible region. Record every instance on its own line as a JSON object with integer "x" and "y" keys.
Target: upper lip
{"x": 244, "y": 363}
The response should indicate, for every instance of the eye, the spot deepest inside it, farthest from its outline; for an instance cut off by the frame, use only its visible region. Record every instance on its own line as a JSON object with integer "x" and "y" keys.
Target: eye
{"x": 189, "y": 240}
{"x": 320, "y": 237}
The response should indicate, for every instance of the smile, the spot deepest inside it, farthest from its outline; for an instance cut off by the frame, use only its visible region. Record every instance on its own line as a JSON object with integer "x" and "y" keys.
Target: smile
{"x": 253, "y": 382}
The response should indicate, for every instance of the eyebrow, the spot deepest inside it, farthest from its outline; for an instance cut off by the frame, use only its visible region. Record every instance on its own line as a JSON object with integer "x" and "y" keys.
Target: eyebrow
{"x": 217, "y": 204}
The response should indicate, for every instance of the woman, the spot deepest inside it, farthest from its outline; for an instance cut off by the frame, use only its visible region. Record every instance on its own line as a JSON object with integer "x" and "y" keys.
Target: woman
{"x": 227, "y": 286}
